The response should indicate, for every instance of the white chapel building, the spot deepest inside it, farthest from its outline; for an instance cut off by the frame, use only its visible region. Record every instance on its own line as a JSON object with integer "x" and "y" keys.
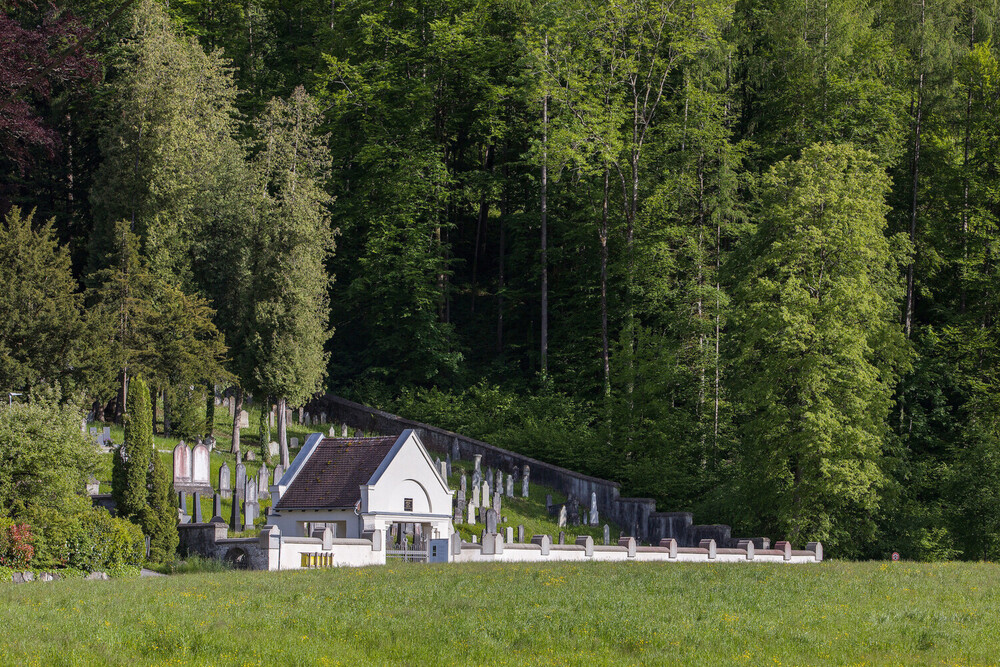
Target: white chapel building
{"x": 359, "y": 484}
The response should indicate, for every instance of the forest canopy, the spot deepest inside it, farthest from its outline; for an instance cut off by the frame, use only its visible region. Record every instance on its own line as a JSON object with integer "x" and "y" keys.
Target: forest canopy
{"x": 736, "y": 255}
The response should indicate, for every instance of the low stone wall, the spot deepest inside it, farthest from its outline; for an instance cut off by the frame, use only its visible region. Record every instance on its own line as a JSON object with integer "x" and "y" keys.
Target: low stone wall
{"x": 637, "y": 516}
{"x": 272, "y": 551}
{"x": 541, "y": 549}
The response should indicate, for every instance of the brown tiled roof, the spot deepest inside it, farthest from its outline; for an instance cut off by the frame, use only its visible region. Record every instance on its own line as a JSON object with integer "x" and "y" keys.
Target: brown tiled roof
{"x": 332, "y": 475}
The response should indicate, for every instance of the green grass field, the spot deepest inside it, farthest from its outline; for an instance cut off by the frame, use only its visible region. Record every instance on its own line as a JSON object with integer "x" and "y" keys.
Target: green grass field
{"x": 834, "y": 613}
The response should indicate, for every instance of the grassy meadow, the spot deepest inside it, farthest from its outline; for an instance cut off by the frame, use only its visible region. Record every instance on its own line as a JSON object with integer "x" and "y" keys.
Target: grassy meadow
{"x": 834, "y": 613}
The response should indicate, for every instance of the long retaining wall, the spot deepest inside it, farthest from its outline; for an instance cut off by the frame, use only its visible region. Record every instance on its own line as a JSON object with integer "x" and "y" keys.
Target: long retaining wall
{"x": 637, "y": 516}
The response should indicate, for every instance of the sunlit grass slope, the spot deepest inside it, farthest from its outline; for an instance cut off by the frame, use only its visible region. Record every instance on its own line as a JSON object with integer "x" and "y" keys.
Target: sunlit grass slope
{"x": 834, "y": 613}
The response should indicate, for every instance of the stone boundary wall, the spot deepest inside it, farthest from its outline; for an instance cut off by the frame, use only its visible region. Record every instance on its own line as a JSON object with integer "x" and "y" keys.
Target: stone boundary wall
{"x": 637, "y": 516}
{"x": 541, "y": 549}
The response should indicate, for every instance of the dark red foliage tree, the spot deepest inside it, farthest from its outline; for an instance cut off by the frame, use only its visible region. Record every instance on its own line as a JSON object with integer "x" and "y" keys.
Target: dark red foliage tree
{"x": 35, "y": 62}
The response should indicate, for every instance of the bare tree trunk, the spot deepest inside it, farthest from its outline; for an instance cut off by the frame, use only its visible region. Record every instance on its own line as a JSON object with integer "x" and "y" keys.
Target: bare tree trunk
{"x": 544, "y": 215}
{"x": 283, "y": 432}
{"x": 122, "y": 393}
{"x": 918, "y": 118}
{"x": 605, "y": 356}
{"x": 237, "y": 409}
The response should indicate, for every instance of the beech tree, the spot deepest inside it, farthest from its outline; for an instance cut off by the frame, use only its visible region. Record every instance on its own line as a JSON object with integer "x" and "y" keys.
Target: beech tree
{"x": 818, "y": 347}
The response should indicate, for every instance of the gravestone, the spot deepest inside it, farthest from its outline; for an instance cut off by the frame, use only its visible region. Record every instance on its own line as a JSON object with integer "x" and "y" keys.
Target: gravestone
{"x": 499, "y": 481}
{"x": 510, "y": 486}
{"x": 273, "y": 448}
{"x": 358, "y": 433}
{"x": 520, "y": 533}
{"x": 197, "y": 507}
{"x": 524, "y": 481}
{"x": 477, "y": 478}
{"x": 306, "y": 419}
{"x": 489, "y": 476}
{"x": 486, "y": 493}
{"x": 583, "y": 518}
{"x": 491, "y": 521}
{"x": 593, "y": 508}
{"x": 562, "y": 516}
{"x": 457, "y": 518}
{"x": 106, "y": 436}
{"x": 460, "y": 498}
{"x": 217, "y": 507}
{"x": 562, "y": 537}
{"x": 244, "y": 419}
{"x": 322, "y": 418}
{"x": 251, "y": 456}
{"x": 475, "y": 494}
{"x": 249, "y": 515}
{"x": 508, "y": 535}
{"x": 343, "y": 430}
{"x": 471, "y": 511}
{"x": 279, "y": 471}
{"x": 573, "y": 511}
{"x": 225, "y": 481}
{"x": 477, "y": 461}
{"x": 456, "y": 453}
{"x": 251, "y": 494}
{"x": 332, "y": 433}
{"x": 182, "y": 502}
{"x": 182, "y": 466}
{"x": 262, "y": 482}
{"x": 463, "y": 482}
{"x": 443, "y": 469}
{"x": 496, "y": 502}
{"x": 447, "y": 461}
{"x": 201, "y": 469}
{"x": 240, "y": 488}
{"x": 482, "y": 514}
{"x": 548, "y": 503}
{"x": 288, "y": 416}
{"x": 607, "y": 535}
{"x": 294, "y": 444}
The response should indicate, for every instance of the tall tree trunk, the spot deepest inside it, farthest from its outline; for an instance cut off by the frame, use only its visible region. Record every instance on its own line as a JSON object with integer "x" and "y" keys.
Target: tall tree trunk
{"x": 545, "y": 232}
{"x": 917, "y": 127}
{"x": 605, "y": 356}
{"x": 122, "y": 393}
{"x": 237, "y": 408}
{"x": 500, "y": 276}
{"x": 283, "y": 431}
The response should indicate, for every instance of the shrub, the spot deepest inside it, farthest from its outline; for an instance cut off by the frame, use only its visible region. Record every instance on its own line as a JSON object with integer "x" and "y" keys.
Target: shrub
{"x": 16, "y": 544}
{"x": 85, "y": 537}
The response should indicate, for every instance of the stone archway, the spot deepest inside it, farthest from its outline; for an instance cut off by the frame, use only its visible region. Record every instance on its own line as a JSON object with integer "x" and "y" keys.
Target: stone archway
{"x": 237, "y": 558}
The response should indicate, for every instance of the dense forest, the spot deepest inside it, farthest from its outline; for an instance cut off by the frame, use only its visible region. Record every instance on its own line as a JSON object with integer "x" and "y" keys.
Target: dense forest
{"x": 739, "y": 256}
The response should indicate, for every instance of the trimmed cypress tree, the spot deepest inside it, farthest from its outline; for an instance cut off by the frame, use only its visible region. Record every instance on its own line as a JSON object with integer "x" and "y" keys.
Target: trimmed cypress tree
{"x": 131, "y": 464}
{"x": 161, "y": 514}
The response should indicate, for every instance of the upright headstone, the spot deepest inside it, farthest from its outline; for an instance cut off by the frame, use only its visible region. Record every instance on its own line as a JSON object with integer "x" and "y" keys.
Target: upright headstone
{"x": 458, "y": 516}
{"x": 562, "y": 516}
{"x": 496, "y": 502}
{"x": 273, "y": 449}
{"x": 306, "y": 419}
{"x": 279, "y": 470}
{"x": 443, "y": 469}
{"x": 294, "y": 444}
{"x": 262, "y": 482}
{"x": 456, "y": 452}
{"x": 106, "y": 436}
{"x": 225, "y": 481}
{"x": 477, "y": 478}
{"x": 249, "y": 515}
{"x": 463, "y": 482}
{"x": 234, "y": 516}
{"x": 475, "y": 495}
{"x": 244, "y": 419}
{"x": 447, "y": 461}
{"x": 332, "y": 432}
{"x": 182, "y": 501}
{"x": 548, "y": 502}
{"x": 201, "y": 468}
{"x": 508, "y": 535}
{"x": 520, "y": 533}
{"x": 477, "y": 462}
{"x": 471, "y": 511}
{"x": 182, "y": 466}
{"x": 197, "y": 507}
{"x": 288, "y": 416}
{"x": 460, "y": 498}
{"x": 607, "y": 535}
{"x": 499, "y": 481}
{"x": 343, "y": 430}
{"x": 251, "y": 490}
{"x": 562, "y": 537}
{"x": 489, "y": 476}
{"x": 217, "y": 506}
{"x": 524, "y": 481}
{"x": 358, "y": 433}
{"x": 322, "y": 418}
{"x": 510, "y": 486}
{"x": 593, "y": 508}
{"x": 491, "y": 521}
{"x": 486, "y": 493}
{"x": 251, "y": 456}
{"x": 241, "y": 482}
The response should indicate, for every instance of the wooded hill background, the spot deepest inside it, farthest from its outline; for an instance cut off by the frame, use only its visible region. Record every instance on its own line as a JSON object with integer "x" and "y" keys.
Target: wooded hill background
{"x": 739, "y": 256}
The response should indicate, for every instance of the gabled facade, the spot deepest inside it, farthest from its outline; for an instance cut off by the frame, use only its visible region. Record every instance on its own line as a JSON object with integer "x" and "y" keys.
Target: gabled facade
{"x": 361, "y": 484}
